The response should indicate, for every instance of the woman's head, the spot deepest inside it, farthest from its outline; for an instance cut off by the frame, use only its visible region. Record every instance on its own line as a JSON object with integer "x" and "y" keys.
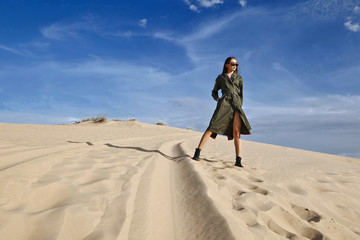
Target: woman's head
{"x": 230, "y": 65}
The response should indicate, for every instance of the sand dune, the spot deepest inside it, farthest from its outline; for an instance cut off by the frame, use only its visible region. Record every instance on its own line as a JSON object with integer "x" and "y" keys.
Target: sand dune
{"x": 130, "y": 180}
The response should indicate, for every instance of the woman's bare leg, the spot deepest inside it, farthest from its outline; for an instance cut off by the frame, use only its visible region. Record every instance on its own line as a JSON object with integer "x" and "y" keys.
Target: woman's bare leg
{"x": 236, "y": 133}
{"x": 204, "y": 138}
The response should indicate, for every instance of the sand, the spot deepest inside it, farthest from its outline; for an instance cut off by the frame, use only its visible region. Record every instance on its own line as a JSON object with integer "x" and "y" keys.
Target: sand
{"x": 130, "y": 180}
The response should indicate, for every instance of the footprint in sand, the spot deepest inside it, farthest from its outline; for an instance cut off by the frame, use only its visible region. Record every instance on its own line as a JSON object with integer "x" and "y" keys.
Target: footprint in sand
{"x": 237, "y": 205}
{"x": 297, "y": 190}
{"x": 306, "y": 214}
{"x": 218, "y": 165}
{"x": 219, "y": 176}
{"x": 254, "y": 179}
{"x": 256, "y": 189}
{"x": 292, "y": 222}
{"x": 240, "y": 192}
{"x": 260, "y": 190}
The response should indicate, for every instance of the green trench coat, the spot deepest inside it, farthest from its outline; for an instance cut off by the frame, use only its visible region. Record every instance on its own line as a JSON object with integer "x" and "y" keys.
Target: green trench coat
{"x": 231, "y": 100}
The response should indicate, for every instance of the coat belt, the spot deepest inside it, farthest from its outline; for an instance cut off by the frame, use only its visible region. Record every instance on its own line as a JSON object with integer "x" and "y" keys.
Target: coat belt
{"x": 233, "y": 98}
{"x": 230, "y": 95}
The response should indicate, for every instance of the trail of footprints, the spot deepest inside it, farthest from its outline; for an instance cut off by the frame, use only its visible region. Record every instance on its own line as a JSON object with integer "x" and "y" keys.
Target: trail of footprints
{"x": 254, "y": 204}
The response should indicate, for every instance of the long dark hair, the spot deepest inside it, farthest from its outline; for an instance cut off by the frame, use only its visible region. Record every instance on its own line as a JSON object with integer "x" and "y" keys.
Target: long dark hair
{"x": 226, "y": 62}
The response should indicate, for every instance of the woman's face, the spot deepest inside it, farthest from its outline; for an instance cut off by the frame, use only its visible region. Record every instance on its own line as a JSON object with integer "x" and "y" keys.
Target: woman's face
{"x": 232, "y": 65}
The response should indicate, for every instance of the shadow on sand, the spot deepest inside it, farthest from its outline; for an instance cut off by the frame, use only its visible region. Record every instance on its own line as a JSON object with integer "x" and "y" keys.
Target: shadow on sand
{"x": 178, "y": 158}
{"x": 151, "y": 151}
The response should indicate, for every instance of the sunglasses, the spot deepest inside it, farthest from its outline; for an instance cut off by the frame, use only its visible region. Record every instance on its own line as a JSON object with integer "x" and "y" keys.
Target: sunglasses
{"x": 234, "y": 64}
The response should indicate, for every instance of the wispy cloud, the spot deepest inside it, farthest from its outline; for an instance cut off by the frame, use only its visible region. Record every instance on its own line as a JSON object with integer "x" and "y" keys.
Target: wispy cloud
{"x": 142, "y": 22}
{"x": 193, "y": 8}
{"x": 278, "y": 66}
{"x": 127, "y": 34}
{"x": 8, "y": 49}
{"x": 325, "y": 9}
{"x": 353, "y": 16}
{"x": 115, "y": 70}
{"x": 211, "y": 27}
{"x": 88, "y": 24}
{"x": 242, "y": 3}
{"x": 42, "y": 45}
{"x": 58, "y": 31}
{"x": 63, "y": 31}
{"x": 357, "y": 9}
{"x": 94, "y": 81}
{"x": 22, "y": 52}
{"x": 193, "y": 42}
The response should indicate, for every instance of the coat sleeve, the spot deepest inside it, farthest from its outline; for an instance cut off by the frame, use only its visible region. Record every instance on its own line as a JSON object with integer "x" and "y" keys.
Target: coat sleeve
{"x": 241, "y": 90}
{"x": 216, "y": 88}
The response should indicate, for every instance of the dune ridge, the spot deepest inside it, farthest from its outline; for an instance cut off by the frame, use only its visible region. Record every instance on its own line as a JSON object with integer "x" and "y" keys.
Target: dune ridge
{"x": 130, "y": 180}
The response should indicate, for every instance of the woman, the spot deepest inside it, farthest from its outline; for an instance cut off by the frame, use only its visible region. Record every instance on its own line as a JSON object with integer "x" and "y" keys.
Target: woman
{"x": 228, "y": 119}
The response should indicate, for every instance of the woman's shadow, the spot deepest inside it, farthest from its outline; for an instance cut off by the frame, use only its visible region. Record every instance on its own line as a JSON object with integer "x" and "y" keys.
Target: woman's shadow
{"x": 177, "y": 158}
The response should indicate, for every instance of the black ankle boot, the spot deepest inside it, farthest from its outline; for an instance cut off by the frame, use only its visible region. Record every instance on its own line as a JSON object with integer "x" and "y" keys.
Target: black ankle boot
{"x": 238, "y": 162}
{"x": 197, "y": 154}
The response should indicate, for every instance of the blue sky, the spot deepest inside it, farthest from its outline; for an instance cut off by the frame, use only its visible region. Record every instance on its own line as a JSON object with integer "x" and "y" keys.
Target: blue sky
{"x": 156, "y": 61}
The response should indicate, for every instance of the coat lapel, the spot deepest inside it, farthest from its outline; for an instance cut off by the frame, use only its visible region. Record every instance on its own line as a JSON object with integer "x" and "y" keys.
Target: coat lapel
{"x": 227, "y": 79}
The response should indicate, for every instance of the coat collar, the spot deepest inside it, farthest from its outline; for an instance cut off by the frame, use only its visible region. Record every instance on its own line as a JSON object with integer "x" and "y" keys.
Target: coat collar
{"x": 233, "y": 77}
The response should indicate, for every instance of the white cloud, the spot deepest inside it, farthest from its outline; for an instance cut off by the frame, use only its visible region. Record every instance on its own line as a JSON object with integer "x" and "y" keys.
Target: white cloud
{"x": 357, "y": 9}
{"x": 201, "y": 4}
{"x": 242, "y": 3}
{"x": 143, "y": 22}
{"x": 354, "y": 27}
{"x": 194, "y": 8}
{"x": 209, "y": 3}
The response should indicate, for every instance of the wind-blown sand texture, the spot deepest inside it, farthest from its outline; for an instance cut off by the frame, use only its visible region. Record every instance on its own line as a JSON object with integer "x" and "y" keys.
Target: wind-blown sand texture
{"x": 130, "y": 180}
